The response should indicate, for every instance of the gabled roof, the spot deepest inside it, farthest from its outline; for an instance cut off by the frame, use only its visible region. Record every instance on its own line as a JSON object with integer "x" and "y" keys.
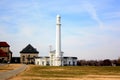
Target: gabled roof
{"x": 2, "y": 53}
{"x": 29, "y": 49}
{"x": 4, "y": 44}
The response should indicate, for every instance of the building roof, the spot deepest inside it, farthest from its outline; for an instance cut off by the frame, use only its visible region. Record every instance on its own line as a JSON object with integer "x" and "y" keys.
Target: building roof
{"x": 70, "y": 57}
{"x": 29, "y": 49}
{"x": 2, "y": 53}
{"x": 10, "y": 51}
{"x": 4, "y": 44}
{"x": 45, "y": 57}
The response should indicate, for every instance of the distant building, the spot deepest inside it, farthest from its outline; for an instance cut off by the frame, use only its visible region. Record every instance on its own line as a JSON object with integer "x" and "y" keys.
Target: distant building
{"x": 5, "y": 53}
{"x": 28, "y": 54}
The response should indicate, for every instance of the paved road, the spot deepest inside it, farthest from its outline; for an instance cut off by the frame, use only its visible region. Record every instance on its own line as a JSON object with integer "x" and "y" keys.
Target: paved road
{"x": 2, "y": 64}
{"x": 8, "y": 74}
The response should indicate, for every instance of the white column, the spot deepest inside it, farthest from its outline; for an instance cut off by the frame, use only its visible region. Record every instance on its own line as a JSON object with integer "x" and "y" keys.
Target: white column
{"x": 58, "y": 60}
{"x": 58, "y": 37}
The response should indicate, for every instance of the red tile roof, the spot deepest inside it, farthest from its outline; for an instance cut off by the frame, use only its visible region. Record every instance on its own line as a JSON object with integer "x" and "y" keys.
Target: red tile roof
{"x": 4, "y": 44}
{"x": 2, "y": 53}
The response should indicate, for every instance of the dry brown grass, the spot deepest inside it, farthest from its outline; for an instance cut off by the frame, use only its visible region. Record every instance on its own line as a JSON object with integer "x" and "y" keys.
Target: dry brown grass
{"x": 8, "y": 67}
{"x": 69, "y": 73}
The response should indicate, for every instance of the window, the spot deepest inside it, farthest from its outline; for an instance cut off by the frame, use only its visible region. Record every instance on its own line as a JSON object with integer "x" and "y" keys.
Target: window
{"x": 42, "y": 62}
{"x": 47, "y": 63}
{"x": 73, "y": 63}
{"x": 28, "y": 57}
{"x": 38, "y": 62}
{"x": 69, "y": 63}
{"x": 23, "y": 58}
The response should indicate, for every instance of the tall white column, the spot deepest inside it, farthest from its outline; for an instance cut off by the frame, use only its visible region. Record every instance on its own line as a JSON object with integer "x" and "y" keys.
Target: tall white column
{"x": 58, "y": 36}
{"x": 58, "y": 59}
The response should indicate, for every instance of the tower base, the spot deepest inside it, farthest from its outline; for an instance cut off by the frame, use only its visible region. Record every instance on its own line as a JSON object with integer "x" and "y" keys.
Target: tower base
{"x": 58, "y": 61}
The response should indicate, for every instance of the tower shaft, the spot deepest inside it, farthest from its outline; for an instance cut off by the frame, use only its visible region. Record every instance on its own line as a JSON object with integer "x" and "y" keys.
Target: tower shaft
{"x": 58, "y": 59}
{"x": 58, "y": 36}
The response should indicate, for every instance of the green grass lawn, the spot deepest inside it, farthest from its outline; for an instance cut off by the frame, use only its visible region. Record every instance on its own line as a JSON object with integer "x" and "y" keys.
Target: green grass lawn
{"x": 70, "y": 71}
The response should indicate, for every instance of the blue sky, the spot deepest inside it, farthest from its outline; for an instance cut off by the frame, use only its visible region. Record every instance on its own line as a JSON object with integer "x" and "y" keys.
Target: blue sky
{"x": 90, "y": 28}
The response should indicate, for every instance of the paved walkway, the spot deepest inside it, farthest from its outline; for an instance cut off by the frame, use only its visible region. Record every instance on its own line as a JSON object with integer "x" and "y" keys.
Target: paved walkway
{"x": 8, "y": 74}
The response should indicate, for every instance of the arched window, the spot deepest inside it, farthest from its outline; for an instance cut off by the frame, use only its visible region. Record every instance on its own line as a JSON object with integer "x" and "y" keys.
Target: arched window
{"x": 28, "y": 56}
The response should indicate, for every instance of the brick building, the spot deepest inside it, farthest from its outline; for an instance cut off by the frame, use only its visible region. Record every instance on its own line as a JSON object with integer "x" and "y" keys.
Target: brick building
{"x": 5, "y": 53}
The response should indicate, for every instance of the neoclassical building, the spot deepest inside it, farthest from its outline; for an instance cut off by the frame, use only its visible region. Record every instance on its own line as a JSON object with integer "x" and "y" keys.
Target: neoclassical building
{"x": 28, "y": 54}
{"x": 56, "y": 57}
{"x": 51, "y": 60}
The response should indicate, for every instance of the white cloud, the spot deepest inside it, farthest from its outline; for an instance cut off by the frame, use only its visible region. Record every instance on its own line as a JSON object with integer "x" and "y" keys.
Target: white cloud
{"x": 92, "y": 11}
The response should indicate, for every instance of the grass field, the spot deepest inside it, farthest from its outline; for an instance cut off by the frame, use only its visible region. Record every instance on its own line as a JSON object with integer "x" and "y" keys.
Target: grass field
{"x": 70, "y": 72}
{"x": 8, "y": 67}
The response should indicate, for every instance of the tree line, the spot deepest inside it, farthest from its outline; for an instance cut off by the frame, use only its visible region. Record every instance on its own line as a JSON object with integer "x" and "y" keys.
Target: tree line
{"x": 105, "y": 62}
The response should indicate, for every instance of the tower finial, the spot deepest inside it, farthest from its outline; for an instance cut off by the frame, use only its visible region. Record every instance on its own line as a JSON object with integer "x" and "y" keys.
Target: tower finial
{"x": 58, "y": 15}
{"x": 58, "y": 19}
